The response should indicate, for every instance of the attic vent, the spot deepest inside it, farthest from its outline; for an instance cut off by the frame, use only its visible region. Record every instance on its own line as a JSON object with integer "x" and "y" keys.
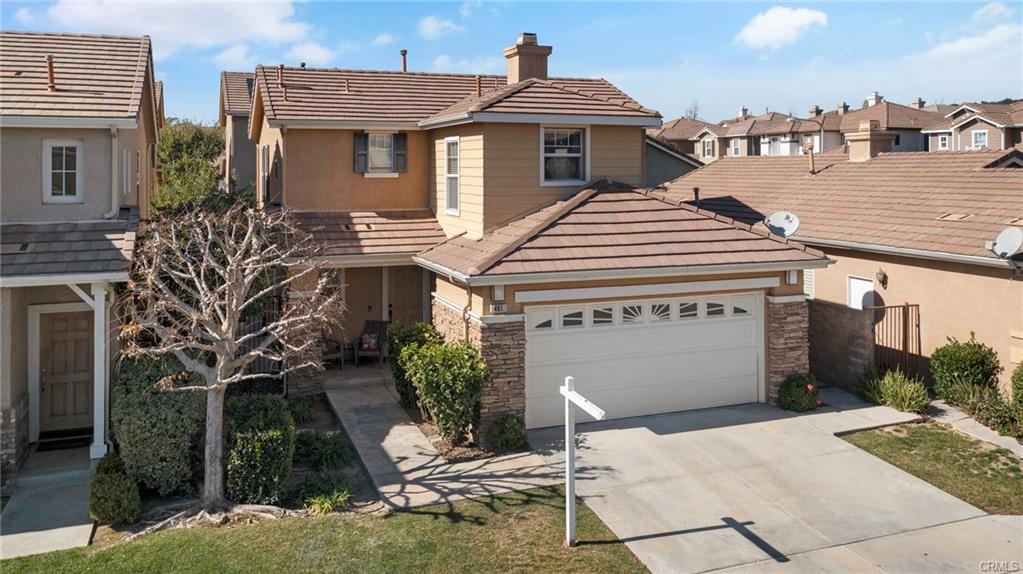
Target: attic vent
{"x": 1017, "y": 221}
{"x": 956, "y": 217}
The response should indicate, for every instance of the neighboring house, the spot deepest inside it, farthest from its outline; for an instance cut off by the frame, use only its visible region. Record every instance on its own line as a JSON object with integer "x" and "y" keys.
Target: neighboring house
{"x": 977, "y": 126}
{"x": 906, "y": 122}
{"x": 508, "y": 210}
{"x": 904, "y": 228}
{"x": 664, "y": 162}
{"x": 239, "y": 151}
{"x": 678, "y": 133}
{"x": 745, "y": 135}
{"x": 792, "y": 136}
{"x": 78, "y": 130}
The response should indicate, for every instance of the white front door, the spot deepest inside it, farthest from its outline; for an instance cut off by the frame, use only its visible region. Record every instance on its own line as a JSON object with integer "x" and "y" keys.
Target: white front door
{"x": 861, "y": 292}
{"x": 644, "y": 357}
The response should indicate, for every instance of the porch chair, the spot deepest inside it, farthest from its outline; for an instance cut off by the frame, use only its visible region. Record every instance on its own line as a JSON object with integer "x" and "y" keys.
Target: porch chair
{"x": 372, "y": 342}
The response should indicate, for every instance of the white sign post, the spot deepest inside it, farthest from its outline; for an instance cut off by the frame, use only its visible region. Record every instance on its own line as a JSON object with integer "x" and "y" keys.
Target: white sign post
{"x": 572, "y": 398}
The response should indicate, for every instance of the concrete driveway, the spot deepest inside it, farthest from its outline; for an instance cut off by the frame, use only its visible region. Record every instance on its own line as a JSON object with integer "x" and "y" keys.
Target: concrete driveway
{"x": 757, "y": 489}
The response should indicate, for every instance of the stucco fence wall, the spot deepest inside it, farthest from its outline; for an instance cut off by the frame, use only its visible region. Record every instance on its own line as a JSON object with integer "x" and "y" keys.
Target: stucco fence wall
{"x": 841, "y": 343}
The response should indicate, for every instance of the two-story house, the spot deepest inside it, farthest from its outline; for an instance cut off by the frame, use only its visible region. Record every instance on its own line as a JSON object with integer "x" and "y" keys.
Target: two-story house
{"x": 79, "y": 120}
{"x": 239, "y": 163}
{"x": 508, "y": 210}
{"x": 972, "y": 127}
{"x": 906, "y": 122}
{"x": 793, "y": 136}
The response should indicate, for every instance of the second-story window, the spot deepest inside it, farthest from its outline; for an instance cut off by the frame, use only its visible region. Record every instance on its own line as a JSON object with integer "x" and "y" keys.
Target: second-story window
{"x": 62, "y": 171}
{"x": 452, "y": 170}
{"x": 564, "y": 155}
{"x": 943, "y": 141}
{"x": 264, "y": 166}
{"x": 980, "y": 139}
{"x": 381, "y": 154}
{"x": 708, "y": 148}
{"x": 735, "y": 146}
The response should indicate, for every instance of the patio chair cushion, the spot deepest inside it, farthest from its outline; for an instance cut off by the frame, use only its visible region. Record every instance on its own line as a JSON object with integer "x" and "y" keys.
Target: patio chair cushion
{"x": 370, "y": 342}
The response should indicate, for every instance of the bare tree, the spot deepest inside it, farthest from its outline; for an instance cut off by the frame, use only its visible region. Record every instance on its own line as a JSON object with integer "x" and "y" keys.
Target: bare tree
{"x": 693, "y": 111}
{"x": 196, "y": 277}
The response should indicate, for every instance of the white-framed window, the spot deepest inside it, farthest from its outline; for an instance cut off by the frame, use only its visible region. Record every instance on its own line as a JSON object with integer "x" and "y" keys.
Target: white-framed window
{"x": 735, "y": 146}
{"x": 688, "y": 310}
{"x": 774, "y": 147}
{"x": 572, "y": 318}
{"x": 564, "y": 155}
{"x": 715, "y": 309}
{"x": 602, "y": 316}
{"x": 381, "y": 153}
{"x": 452, "y": 169}
{"x": 540, "y": 319}
{"x": 943, "y": 141}
{"x": 62, "y": 171}
{"x": 264, "y": 166}
{"x": 741, "y": 305}
{"x": 708, "y": 148}
{"x": 632, "y": 313}
{"x": 980, "y": 139}
{"x": 660, "y": 312}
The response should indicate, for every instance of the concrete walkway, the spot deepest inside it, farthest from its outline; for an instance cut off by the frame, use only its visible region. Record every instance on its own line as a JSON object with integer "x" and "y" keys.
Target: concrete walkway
{"x": 49, "y": 508}
{"x": 404, "y": 466}
{"x": 964, "y": 423}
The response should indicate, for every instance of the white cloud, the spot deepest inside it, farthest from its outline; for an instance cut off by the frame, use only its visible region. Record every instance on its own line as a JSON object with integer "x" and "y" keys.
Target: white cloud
{"x": 468, "y": 6}
{"x": 174, "y": 26}
{"x": 779, "y": 26}
{"x": 486, "y": 65}
{"x": 311, "y": 53}
{"x": 433, "y": 28}
{"x": 24, "y": 16}
{"x": 991, "y": 11}
{"x": 384, "y": 39}
{"x": 236, "y": 57}
{"x": 1001, "y": 37}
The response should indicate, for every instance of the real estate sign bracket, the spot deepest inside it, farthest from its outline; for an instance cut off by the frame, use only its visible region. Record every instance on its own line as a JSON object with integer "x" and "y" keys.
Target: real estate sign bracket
{"x": 573, "y": 399}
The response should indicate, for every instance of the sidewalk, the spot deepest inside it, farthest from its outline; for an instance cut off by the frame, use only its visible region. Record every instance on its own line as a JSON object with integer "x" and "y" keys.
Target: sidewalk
{"x": 404, "y": 466}
{"x": 964, "y": 423}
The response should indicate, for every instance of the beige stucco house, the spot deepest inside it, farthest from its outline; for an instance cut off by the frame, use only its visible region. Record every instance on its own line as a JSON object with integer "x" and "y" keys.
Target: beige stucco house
{"x": 239, "y": 164}
{"x": 909, "y": 232}
{"x": 79, "y": 117}
{"x": 510, "y": 210}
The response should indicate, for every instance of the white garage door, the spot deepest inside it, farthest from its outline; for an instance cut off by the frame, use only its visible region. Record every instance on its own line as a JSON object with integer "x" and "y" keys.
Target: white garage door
{"x": 644, "y": 357}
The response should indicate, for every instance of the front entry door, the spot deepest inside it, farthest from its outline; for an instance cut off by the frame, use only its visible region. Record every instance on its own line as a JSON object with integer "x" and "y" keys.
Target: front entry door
{"x": 65, "y": 377}
{"x": 406, "y": 295}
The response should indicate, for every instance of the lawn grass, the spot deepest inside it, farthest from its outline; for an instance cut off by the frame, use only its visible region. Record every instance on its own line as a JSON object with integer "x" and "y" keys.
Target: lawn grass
{"x": 977, "y": 472}
{"x": 516, "y": 532}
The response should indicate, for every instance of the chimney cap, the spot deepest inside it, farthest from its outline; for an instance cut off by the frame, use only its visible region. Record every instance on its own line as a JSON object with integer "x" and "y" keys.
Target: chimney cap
{"x": 403, "y": 52}
{"x": 527, "y": 38}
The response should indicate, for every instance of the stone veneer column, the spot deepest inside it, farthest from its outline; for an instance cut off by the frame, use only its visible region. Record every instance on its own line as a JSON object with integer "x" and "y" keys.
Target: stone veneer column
{"x": 788, "y": 343}
{"x": 13, "y": 435}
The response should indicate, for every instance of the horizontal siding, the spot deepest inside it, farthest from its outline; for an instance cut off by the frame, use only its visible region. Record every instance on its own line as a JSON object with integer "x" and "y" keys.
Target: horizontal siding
{"x": 470, "y": 217}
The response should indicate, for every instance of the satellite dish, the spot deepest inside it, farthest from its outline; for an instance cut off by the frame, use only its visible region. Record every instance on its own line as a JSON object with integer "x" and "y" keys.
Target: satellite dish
{"x": 782, "y": 223}
{"x": 1008, "y": 242}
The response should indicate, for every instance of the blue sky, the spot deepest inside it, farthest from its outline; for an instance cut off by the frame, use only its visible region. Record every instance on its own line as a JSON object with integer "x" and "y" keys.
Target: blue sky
{"x": 778, "y": 56}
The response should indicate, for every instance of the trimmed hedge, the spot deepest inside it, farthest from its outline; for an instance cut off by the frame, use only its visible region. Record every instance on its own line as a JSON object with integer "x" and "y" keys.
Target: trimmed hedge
{"x": 1017, "y": 384}
{"x": 259, "y": 448}
{"x": 896, "y": 390}
{"x": 799, "y": 393}
{"x": 157, "y": 432}
{"x": 988, "y": 406}
{"x": 113, "y": 496}
{"x": 449, "y": 379}
{"x": 507, "y": 434}
{"x": 399, "y": 337}
{"x": 970, "y": 361}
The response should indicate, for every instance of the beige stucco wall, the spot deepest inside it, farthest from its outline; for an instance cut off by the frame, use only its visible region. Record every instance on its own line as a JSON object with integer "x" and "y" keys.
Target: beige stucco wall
{"x": 954, "y": 299}
{"x": 241, "y": 151}
{"x": 274, "y": 139}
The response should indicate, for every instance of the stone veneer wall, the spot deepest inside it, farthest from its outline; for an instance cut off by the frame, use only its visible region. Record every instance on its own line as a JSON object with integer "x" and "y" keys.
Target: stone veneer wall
{"x": 14, "y": 434}
{"x": 788, "y": 348}
{"x": 503, "y": 346}
{"x": 841, "y": 343}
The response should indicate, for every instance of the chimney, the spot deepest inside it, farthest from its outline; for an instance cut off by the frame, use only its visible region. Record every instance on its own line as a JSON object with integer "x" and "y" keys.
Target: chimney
{"x": 842, "y": 108}
{"x": 815, "y": 111}
{"x": 868, "y": 141}
{"x": 919, "y": 103}
{"x": 51, "y": 83}
{"x": 479, "y": 86}
{"x": 527, "y": 59}
{"x": 873, "y": 99}
{"x": 301, "y": 64}
{"x": 404, "y": 60}
{"x": 809, "y": 152}
{"x": 696, "y": 196}
{"x": 743, "y": 112}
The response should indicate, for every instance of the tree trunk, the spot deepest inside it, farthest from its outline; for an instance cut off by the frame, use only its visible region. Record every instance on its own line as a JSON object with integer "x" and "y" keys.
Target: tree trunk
{"x": 213, "y": 498}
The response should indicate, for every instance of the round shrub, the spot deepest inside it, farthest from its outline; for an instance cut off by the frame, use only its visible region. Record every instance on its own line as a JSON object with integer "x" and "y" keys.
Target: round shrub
{"x": 321, "y": 450}
{"x": 260, "y": 446}
{"x": 449, "y": 379}
{"x": 507, "y": 434}
{"x": 157, "y": 431}
{"x": 1017, "y": 385}
{"x": 399, "y": 337}
{"x": 799, "y": 393}
{"x": 113, "y": 496}
{"x": 903, "y": 393}
{"x": 970, "y": 361}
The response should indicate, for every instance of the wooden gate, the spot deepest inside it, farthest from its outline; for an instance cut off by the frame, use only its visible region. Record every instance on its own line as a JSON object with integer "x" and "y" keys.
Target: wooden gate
{"x": 897, "y": 337}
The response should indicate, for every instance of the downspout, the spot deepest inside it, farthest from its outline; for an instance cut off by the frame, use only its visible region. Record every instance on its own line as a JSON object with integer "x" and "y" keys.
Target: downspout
{"x": 465, "y": 313}
{"x": 114, "y": 199}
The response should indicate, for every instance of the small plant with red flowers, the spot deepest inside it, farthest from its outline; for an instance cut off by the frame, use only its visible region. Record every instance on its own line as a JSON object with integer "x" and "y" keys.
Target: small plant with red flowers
{"x": 799, "y": 393}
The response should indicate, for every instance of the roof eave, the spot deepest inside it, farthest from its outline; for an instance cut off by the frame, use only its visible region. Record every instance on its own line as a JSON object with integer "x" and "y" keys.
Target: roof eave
{"x": 62, "y": 279}
{"x": 17, "y": 121}
{"x": 909, "y": 252}
{"x": 542, "y": 118}
{"x": 341, "y": 124}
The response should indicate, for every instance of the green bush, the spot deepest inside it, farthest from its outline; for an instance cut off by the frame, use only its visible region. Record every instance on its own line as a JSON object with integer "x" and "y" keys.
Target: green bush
{"x": 989, "y": 408}
{"x": 301, "y": 409}
{"x": 399, "y": 337}
{"x": 507, "y": 434}
{"x": 895, "y": 389}
{"x": 324, "y": 492}
{"x": 157, "y": 431}
{"x": 799, "y": 393}
{"x": 113, "y": 496}
{"x": 260, "y": 446}
{"x": 448, "y": 379}
{"x": 1017, "y": 385}
{"x": 971, "y": 361}
{"x": 322, "y": 450}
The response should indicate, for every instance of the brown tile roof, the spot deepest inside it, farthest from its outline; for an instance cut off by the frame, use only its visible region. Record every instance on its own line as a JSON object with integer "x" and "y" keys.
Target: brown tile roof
{"x": 614, "y": 226}
{"x": 408, "y": 97}
{"x": 67, "y": 248}
{"x": 894, "y": 200}
{"x": 95, "y": 76}
{"x": 236, "y": 92}
{"x": 890, "y": 116}
{"x": 678, "y": 129}
{"x": 372, "y": 232}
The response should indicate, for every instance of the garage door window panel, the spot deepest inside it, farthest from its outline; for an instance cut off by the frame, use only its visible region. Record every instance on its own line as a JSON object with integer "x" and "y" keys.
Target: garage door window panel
{"x": 632, "y": 313}
{"x": 688, "y": 310}
{"x": 741, "y": 306}
{"x": 602, "y": 316}
{"x": 572, "y": 318}
{"x": 715, "y": 309}
{"x": 541, "y": 319}
{"x": 660, "y": 312}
